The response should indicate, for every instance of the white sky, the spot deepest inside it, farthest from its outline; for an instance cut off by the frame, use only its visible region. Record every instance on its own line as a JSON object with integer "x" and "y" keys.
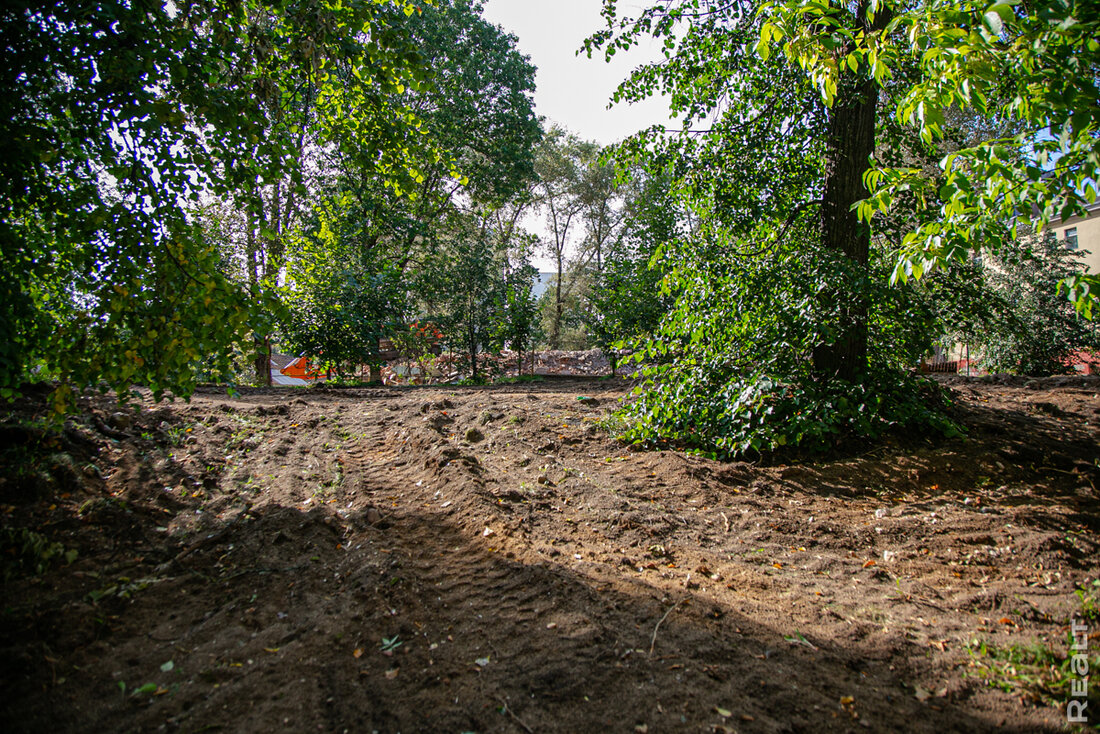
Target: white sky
{"x": 574, "y": 91}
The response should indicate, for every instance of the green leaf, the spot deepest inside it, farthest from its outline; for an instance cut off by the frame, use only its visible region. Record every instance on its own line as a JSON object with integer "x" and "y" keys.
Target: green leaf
{"x": 991, "y": 19}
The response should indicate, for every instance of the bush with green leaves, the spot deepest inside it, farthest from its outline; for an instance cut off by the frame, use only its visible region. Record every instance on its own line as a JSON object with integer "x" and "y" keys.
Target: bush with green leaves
{"x": 25, "y": 552}
{"x": 1037, "y": 330}
{"x": 341, "y": 300}
{"x": 731, "y": 368}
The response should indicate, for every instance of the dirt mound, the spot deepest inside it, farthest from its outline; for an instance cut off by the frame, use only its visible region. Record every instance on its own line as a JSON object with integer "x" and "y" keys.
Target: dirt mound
{"x": 490, "y": 560}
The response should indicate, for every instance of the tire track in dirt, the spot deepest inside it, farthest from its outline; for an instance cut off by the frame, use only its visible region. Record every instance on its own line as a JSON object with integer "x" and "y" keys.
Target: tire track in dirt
{"x": 498, "y": 589}
{"x": 490, "y": 587}
{"x": 537, "y": 621}
{"x": 415, "y": 515}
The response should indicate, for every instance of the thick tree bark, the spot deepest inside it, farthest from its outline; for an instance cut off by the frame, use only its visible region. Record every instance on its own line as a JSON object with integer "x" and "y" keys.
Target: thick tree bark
{"x": 375, "y": 363}
{"x": 471, "y": 340}
{"x": 261, "y": 362}
{"x": 559, "y": 313}
{"x": 850, "y": 143}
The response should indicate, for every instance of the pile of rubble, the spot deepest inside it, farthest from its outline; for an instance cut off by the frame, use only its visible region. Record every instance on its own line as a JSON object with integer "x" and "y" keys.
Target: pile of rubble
{"x": 452, "y": 367}
{"x": 590, "y": 363}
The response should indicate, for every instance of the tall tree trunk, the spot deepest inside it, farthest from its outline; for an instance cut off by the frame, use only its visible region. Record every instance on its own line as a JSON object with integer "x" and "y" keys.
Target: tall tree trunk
{"x": 375, "y": 362}
{"x": 559, "y": 309}
{"x": 471, "y": 339}
{"x": 850, "y": 143}
{"x": 261, "y": 362}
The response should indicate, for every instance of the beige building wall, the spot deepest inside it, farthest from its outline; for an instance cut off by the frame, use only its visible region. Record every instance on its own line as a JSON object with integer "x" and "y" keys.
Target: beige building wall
{"x": 1087, "y": 229}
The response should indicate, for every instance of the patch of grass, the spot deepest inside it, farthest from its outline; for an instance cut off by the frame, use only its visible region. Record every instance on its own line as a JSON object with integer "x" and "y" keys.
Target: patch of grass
{"x": 102, "y": 504}
{"x": 1089, "y": 594}
{"x": 340, "y": 381}
{"x": 177, "y": 434}
{"x": 521, "y": 379}
{"x": 246, "y": 420}
{"x": 250, "y": 484}
{"x": 329, "y": 487}
{"x": 123, "y": 588}
{"x": 344, "y": 433}
{"x": 1035, "y": 672}
{"x": 247, "y": 427}
{"x": 614, "y": 424}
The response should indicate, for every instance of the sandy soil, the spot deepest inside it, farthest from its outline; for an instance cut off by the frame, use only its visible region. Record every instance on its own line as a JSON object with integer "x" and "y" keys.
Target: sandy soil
{"x": 490, "y": 560}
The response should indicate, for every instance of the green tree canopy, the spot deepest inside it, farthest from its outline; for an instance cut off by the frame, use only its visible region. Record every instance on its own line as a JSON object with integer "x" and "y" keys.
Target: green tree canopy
{"x": 478, "y": 108}
{"x": 628, "y": 298}
{"x": 786, "y": 329}
{"x": 121, "y": 114}
{"x": 1036, "y": 65}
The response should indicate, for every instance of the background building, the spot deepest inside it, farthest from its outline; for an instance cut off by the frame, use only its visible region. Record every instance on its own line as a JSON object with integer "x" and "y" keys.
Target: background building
{"x": 1083, "y": 235}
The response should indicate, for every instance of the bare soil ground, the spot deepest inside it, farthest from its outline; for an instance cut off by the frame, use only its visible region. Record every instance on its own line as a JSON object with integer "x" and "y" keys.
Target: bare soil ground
{"x": 490, "y": 560}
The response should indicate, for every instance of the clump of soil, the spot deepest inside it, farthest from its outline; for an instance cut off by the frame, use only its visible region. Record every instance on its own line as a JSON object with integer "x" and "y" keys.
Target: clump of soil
{"x": 490, "y": 560}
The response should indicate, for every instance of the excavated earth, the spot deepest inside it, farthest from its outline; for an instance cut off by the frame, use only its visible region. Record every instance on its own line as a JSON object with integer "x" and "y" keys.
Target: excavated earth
{"x": 491, "y": 560}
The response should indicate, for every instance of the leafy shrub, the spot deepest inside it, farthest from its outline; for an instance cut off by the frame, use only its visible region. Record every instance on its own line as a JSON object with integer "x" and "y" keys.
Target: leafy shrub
{"x": 1038, "y": 329}
{"x": 25, "y": 552}
{"x": 732, "y": 368}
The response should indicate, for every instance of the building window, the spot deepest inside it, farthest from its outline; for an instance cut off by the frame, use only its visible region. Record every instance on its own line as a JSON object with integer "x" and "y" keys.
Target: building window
{"x": 1071, "y": 238}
